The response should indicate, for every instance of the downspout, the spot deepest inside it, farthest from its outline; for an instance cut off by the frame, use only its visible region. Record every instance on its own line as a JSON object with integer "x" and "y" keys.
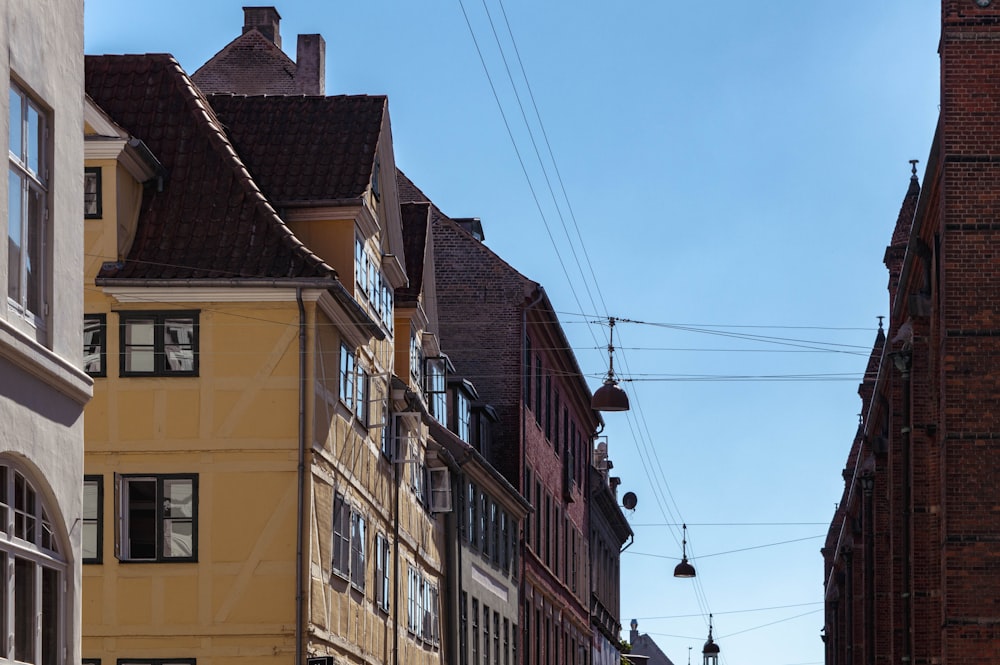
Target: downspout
{"x": 299, "y": 517}
{"x": 869, "y": 518}
{"x": 395, "y": 558}
{"x": 903, "y": 360}
{"x": 523, "y": 545}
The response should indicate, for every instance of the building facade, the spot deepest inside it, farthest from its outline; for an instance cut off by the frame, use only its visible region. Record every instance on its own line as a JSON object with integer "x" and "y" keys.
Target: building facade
{"x": 43, "y": 389}
{"x": 244, "y": 363}
{"x": 911, "y": 557}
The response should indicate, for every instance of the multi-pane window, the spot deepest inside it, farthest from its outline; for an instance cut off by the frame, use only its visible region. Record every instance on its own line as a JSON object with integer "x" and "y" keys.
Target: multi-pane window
{"x": 92, "y": 208}
{"x": 413, "y": 601}
{"x": 341, "y": 535}
{"x": 93, "y": 507}
{"x": 463, "y": 416}
{"x": 382, "y": 554}
{"x": 32, "y": 611}
{"x": 357, "y": 550}
{"x": 463, "y": 629}
{"x": 435, "y": 378}
{"x": 95, "y": 344}
{"x": 475, "y": 632}
{"x": 371, "y": 287}
{"x": 472, "y": 502}
{"x": 496, "y": 638}
{"x": 159, "y": 518}
{"x": 354, "y": 384}
{"x": 27, "y": 206}
{"x": 486, "y": 635}
{"x": 159, "y": 343}
{"x": 416, "y": 359}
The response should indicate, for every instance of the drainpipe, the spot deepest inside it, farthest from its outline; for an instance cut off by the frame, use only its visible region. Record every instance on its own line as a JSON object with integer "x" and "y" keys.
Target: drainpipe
{"x": 867, "y": 485}
{"x": 523, "y": 545}
{"x": 299, "y": 517}
{"x": 902, "y": 361}
{"x": 395, "y": 558}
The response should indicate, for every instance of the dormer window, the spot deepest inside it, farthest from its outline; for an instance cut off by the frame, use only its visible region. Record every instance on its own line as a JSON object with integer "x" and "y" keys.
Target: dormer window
{"x": 435, "y": 374}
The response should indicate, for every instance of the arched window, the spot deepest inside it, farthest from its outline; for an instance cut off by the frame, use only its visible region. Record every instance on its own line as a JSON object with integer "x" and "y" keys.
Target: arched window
{"x": 34, "y": 570}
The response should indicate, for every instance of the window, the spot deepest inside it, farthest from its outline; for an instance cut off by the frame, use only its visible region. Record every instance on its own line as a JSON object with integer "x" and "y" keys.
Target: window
{"x": 435, "y": 371}
{"x": 92, "y": 192}
{"x": 432, "y": 631}
{"x": 486, "y": 635}
{"x": 475, "y": 632}
{"x": 27, "y": 206}
{"x": 416, "y": 359}
{"x": 155, "y": 661}
{"x": 341, "y": 535}
{"x": 463, "y": 416}
{"x": 93, "y": 510}
{"x": 357, "y": 550}
{"x": 159, "y": 343}
{"x": 382, "y": 563}
{"x": 354, "y": 382}
{"x": 413, "y": 604}
{"x": 463, "y": 629}
{"x": 95, "y": 346}
{"x": 471, "y": 503}
{"x": 370, "y": 287}
{"x": 506, "y": 641}
{"x": 32, "y": 609}
{"x": 159, "y": 518}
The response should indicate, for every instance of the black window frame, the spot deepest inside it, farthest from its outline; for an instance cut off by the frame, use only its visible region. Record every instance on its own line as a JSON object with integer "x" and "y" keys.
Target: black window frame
{"x": 99, "y": 521}
{"x": 102, "y": 343}
{"x": 124, "y": 527}
{"x": 155, "y": 661}
{"x": 98, "y": 213}
{"x": 159, "y": 345}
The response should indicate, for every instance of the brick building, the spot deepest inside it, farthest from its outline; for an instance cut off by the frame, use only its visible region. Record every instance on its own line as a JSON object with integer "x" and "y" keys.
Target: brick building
{"x": 500, "y": 331}
{"x": 913, "y": 554}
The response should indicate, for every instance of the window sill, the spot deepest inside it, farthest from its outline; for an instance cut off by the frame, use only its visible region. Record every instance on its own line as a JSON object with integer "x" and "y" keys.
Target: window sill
{"x": 43, "y": 364}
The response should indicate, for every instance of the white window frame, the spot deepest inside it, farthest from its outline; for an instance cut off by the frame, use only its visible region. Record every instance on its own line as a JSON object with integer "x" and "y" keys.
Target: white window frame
{"x": 29, "y": 543}
{"x": 28, "y": 174}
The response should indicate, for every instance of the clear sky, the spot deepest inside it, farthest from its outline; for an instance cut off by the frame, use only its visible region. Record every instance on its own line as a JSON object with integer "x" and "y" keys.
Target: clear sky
{"x": 726, "y": 172}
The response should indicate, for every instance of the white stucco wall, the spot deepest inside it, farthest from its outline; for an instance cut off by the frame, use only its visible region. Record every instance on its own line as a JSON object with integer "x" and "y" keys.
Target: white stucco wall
{"x": 42, "y": 392}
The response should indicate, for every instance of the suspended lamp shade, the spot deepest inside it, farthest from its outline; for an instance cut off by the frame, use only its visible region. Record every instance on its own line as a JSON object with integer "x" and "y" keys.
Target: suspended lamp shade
{"x": 609, "y": 397}
{"x": 684, "y": 569}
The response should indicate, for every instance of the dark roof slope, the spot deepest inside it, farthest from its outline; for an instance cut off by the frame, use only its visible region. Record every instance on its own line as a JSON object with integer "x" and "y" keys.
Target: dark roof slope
{"x": 416, "y": 222}
{"x": 305, "y": 149}
{"x": 251, "y": 63}
{"x": 210, "y": 221}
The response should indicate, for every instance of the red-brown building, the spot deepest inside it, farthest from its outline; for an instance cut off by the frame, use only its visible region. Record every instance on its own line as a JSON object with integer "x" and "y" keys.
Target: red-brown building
{"x": 912, "y": 559}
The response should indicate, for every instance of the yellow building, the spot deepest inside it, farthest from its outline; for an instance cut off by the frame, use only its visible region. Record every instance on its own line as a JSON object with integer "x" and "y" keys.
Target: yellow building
{"x": 255, "y": 486}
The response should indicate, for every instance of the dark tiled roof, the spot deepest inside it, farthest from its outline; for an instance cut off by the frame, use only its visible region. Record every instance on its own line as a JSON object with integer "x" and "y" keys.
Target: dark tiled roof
{"x": 252, "y": 64}
{"x": 415, "y": 218}
{"x": 210, "y": 221}
{"x": 303, "y": 149}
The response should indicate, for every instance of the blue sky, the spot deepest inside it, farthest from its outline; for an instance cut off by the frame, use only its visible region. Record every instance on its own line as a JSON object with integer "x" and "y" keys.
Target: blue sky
{"x": 730, "y": 169}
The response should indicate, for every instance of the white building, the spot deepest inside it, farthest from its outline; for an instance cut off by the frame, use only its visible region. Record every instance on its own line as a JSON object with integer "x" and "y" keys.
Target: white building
{"x": 42, "y": 388}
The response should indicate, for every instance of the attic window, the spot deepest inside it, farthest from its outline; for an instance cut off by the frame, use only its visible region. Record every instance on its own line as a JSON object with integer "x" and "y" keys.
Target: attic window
{"x": 92, "y": 192}
{"x": 376, "y": 171}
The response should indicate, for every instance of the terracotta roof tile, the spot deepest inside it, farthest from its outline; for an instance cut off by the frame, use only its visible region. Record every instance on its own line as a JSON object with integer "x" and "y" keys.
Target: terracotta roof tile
{"x": 210, "y": 220}
{"x": 305, "y": 148}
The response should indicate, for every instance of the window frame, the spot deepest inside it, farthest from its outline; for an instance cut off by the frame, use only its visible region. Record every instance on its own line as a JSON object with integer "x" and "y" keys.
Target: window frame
{"x": 33, "y": 177}
{"x": 122, "y": 541}
{"x": 97, "y": 521}
{"x": 159, "y": 318}
{"x": 102, "y": 344}
{"x": 358, "y": 564}
{"x": 383, "y": 588}
{"x": 93, "y": 173}
{"x": 341, "y": 538}
{"x": 354, "y": 384}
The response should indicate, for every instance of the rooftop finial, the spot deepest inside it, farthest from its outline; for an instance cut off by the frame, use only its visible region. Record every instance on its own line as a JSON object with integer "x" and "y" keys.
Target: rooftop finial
{"x": 913, "y": 168}
{"x": 880, "y": 321}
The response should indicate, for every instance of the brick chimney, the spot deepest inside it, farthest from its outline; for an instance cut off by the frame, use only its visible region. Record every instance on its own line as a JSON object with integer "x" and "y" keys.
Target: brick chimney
{"x": 310, "y": 65}
{"x": 265, "y": 20}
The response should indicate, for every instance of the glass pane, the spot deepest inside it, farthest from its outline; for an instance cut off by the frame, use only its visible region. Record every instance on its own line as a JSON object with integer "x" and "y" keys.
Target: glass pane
{"x": 14, "y": 237}
{"x": 34, "y": 142}
{"x": 33, "y": 263}
{"x": 91, "y": 519}
{"x": 178, "y": 497}
{"x": 14, "y": 144}
{"x": 139, "y": 350}
{"x": 50, "y": 616}
{"x": 24, "y": 611}
{"x": 93, "y": 343}
{"x": 178, "y": 342}
{"x": 178, "y": 538}
{"x": 90, "y": 540}
{"x": 141, "y": 527}
{"x": 90, "y": 193}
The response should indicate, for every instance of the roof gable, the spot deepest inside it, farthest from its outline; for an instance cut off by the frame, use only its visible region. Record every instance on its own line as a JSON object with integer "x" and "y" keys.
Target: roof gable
{"x": 252, "y": 64}
{"x": 209, "y": 220}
